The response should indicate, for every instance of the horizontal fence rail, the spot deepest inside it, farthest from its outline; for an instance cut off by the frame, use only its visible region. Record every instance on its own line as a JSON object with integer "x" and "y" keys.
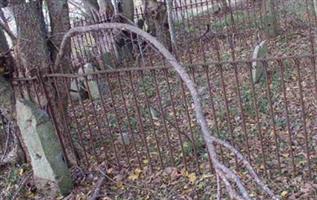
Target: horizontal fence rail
{"x": 145, "y": 117}
{"x": 126, "y": 107}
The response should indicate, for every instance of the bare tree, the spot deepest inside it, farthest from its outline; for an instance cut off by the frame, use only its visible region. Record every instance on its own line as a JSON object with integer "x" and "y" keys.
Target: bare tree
{"x": 126, "y": 8}
{"x": 157, "y": 21}
{"x": 10, "y": 136}
{"x": 36, "y": 50}
{"x": 169, "y": 6}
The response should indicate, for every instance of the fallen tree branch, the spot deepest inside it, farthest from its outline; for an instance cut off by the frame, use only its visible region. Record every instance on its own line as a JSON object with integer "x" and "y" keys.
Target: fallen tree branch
{"x": 225, "y": 173}
{"x": 126, "y": 184}
{"x": 96, "y": 193}
{"x": 218, "y": 188}
{"x": 8, "y": 31}
{"x": 21, "y": 185}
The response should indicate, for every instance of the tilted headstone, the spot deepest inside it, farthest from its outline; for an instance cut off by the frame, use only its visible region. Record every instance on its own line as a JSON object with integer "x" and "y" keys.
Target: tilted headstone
{"x": 96, "y": 88}
{"x": 47, "y": 159}
{"x": 76, "y": 90}
{"x": 260, "y": 52}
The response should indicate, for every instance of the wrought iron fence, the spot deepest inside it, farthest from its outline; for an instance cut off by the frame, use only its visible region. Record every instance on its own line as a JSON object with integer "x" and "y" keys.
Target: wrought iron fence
{"x": 142, "y": 116}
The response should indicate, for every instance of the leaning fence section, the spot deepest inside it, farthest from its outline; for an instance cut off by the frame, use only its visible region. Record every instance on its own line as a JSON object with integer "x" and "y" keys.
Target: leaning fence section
{"x": 139, "y": 114}
{"x": 143, "y": 117}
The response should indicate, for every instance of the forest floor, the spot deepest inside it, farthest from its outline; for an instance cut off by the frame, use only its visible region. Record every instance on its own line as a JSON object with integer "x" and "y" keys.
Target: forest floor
{"x": 191, "y": 176}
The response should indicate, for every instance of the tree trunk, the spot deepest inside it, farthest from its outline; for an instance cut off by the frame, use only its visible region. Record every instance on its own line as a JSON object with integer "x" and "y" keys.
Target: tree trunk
{"x": 12, "y": 150}
{"x": 169, "y": 6}
{"x": 115, "y": 6}
{"x": 60, "y": 23}
{"x": 127, "y": 9}
{"x": 36, "y": 54}
{"x": 92, "y": 8}
{"x": 156, "y": 18}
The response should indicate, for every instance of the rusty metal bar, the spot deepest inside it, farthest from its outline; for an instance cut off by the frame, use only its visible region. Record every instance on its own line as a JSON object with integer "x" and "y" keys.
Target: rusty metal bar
{"x": 228, "y": 115}
{"x": 256, "y": 107}
{"x": 79, "y": 132}
{"x": 176, "y": 118}
{"x": 140, "y": 121}
{"x": 290, "y": 137}
{"x": 118, "y": 121}
{"x": 162, "y": 116}
{"x": 147, "y": 102}
{"x": 246, "y": 136}
{"x": 272, "y": 116}
{"x": 303, "y": 109}
{"x": 130, "y": 131}
{"x": 213, "y": 109}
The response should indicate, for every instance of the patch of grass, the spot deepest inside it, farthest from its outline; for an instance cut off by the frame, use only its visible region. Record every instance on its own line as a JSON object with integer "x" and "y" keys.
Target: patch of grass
{"x": 281, "y": 123}
{"x": 226, "y": 56}
{"x": 147, "y": 86}
{"x": 263, "y": 105}
{"x": 199, "y": 145}
{"x": 239, "y": 18}
{"x": 247, "y": 99}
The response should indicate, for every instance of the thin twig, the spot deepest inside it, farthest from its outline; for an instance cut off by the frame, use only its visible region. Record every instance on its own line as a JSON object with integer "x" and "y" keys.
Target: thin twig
{"x": 21, "y": 185}
{"x": 96, "y": 194}
{"x": 7, "y": 133}
{"x": 9, "y": 32}
{"x": 126, "y": 184}
{"x": 218, "y": 188}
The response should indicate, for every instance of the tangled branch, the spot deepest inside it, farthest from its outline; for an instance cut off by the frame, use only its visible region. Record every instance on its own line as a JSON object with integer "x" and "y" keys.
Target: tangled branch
{"x": 225, "y": 174}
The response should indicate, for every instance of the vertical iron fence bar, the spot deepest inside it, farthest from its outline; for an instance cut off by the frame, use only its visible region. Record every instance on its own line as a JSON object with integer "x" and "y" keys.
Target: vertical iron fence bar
{"x": 81, "y": 103}
{"x": 162, "y": 116}
{"x": 258, "y": 122}
{"x": 192, "y": 69}
{"x": 140, "y": 120}
{"x": 223, "y": 85}
{"x": 89, "y": 127}
{"x": 107, "y": 124}
{"x": 77, "y": 49}
{"x": 269, "y": 96}
{"x": 60, "y": 105}
{"x": 118, "y": 120}
{"x": 130, "y": 131}
{"x": 246, "y": 135}
{"x": 152, "y": 122}
{"x": 303, "y": 109}
{"x": 213, "y": 108}
{"x": 290, "y": 138}
{"x": 312, "y": 42}
{"x": 77, "y": 124}
{"x": 93, "y": 108}
{"x": 176, "y": 119}
{"x": 50, "y": 106}
{"x": 184, "y": 98}
{"x": 81, "y": 41}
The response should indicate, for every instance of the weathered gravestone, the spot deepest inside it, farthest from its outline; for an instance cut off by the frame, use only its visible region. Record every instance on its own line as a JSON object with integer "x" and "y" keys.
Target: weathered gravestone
{"x": 47, "y": 159}
{"x": 260, "y": 52}
{"x": 92, "y": 85}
